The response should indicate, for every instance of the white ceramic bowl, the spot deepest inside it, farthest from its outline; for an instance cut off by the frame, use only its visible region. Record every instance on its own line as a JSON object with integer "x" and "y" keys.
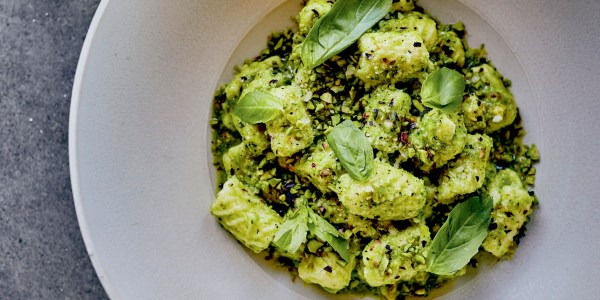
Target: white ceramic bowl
{"x": 140, "y": 145}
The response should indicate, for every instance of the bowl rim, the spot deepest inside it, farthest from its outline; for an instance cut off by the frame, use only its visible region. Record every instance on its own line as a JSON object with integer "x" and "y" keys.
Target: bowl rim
{"x": 72, "y": 147}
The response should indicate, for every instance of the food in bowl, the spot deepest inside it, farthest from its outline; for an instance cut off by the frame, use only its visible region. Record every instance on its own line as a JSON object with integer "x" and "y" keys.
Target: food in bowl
{"x": 372, "y": 151}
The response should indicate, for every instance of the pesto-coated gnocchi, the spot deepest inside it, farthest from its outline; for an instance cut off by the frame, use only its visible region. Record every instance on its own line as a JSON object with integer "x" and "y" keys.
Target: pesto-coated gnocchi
{"x": 389, "y": 144}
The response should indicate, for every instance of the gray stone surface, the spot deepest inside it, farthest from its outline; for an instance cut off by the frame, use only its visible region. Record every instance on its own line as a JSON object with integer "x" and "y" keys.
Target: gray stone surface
{"x": 42, "y": 255}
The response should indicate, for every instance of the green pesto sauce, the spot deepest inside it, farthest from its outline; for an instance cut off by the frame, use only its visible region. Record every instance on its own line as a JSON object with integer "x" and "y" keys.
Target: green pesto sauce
{"x": 428, "y": 148}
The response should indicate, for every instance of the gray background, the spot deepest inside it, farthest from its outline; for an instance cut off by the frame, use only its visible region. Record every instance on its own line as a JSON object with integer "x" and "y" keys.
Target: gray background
{"x": 42, "y": 255}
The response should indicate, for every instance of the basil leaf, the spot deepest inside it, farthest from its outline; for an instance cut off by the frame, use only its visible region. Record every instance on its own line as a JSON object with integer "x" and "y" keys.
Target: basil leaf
{"x": 458, "y": 240}
{"x": 353, "y": 150}
{"x": 326, "y": 232}
{"x": 443, "y": 89}
{"x": 292, "y": 232}
{"x": 258, "y": 107}
{"x": 341, "y": 27}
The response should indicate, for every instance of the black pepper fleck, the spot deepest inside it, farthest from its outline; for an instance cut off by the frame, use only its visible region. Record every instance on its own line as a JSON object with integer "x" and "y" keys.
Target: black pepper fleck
{"x": 388, "y": 248}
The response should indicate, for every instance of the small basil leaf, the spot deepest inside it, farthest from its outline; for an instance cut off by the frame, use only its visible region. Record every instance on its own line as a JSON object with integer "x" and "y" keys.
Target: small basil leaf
{"x": 258, "y": 107}
{"x": 326, "y": 232}
{"x": 458, "y": 240}
{"x": 353, "y": 150}
{"x": 292, "y": 232}
{"x": 341, "y": 27}
{"x": 340, "y": 245}
{"x": 443, "y": 89}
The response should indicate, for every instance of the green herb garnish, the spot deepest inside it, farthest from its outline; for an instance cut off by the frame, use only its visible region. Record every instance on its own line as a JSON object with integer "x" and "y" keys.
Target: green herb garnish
{"x": 443, "y": 89}
{"x": 326, "y": 232}
{"x": 341, "y": 27}
{"x": 458, "y": 240}
{"x": 258, "y": 107}
{"x": 353, "y": 150}
{"x": 292, "y": 233}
